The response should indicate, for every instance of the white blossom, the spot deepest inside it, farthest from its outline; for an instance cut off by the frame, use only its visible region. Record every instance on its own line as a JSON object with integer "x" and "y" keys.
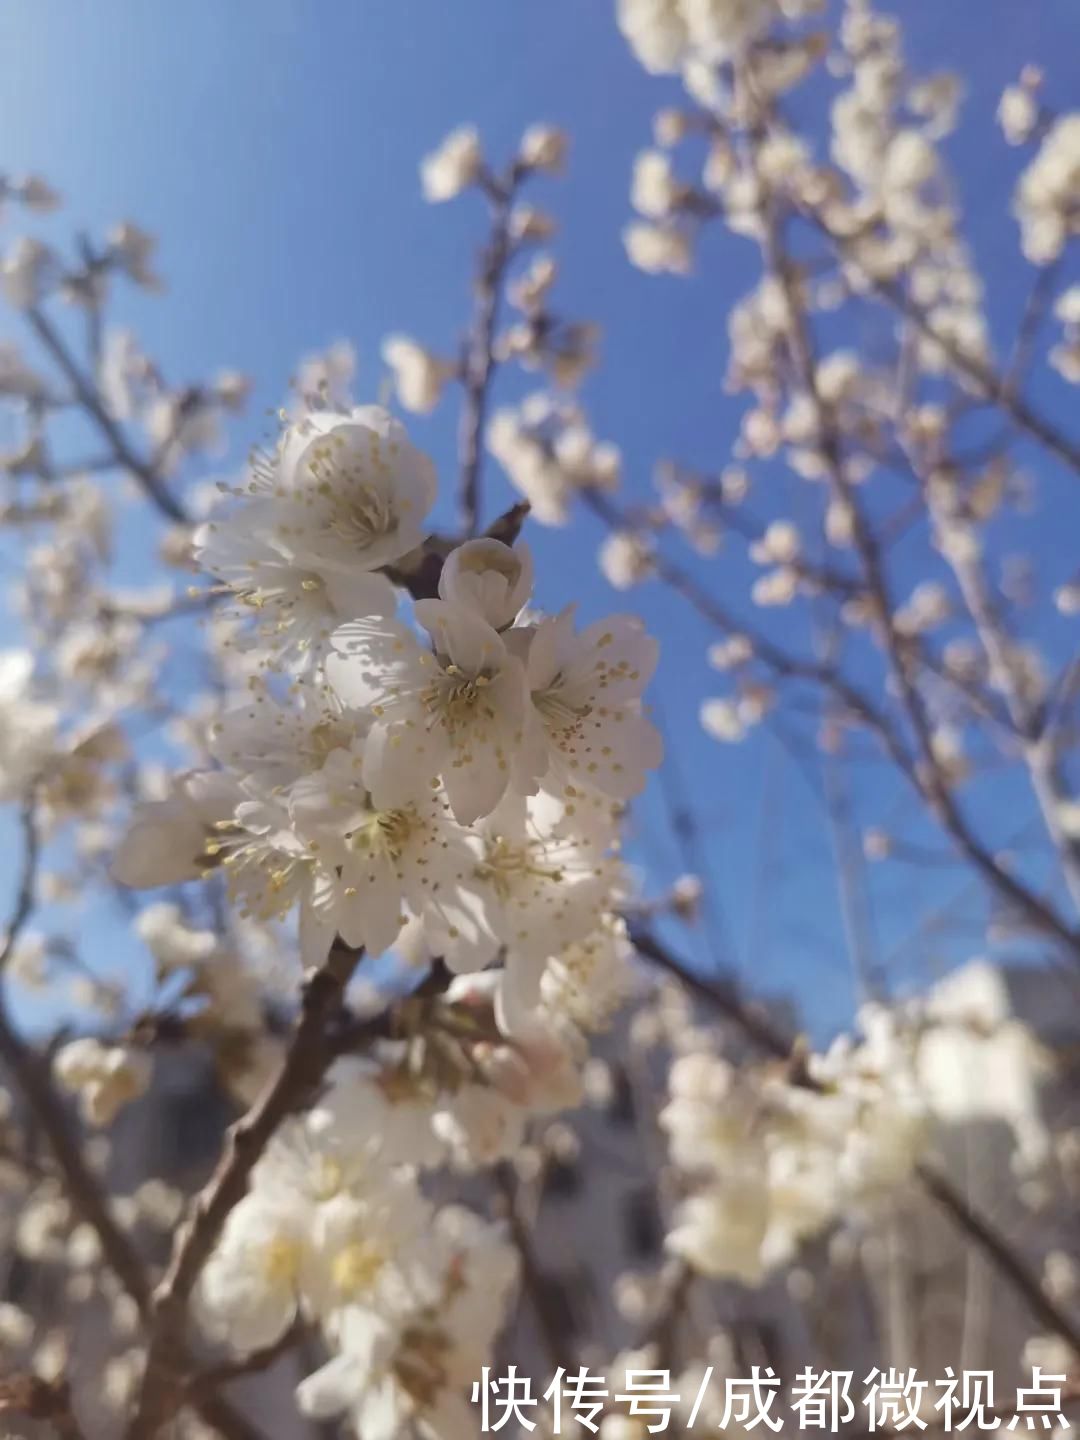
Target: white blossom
{"x": 489, "y": 578}
{"x": 419, "y": 1378}
{"x": 134, "y": 249}
{"x": 341, "y": 496}
{"x": 585, "y": 708}
{"x": 625, "y": 559}
{"x": 659, "y": 248}
{"x": 175, "y": 838}
{"x": 36, "y": 194}
{"x": 249, "y": 1290}
{"x": 173, "y": 943}
{"x": 1017, "y": 113}
{"x": 27, "y": 270}
{"x": 104, "y": 1077}
{"x": 543, "y": 147}
{"x": 721, "y": 719}
{"x": 1048, "y": 192}
{"x": 16, "y": 377}
{"x": 419, "y": 376}
{"x": 549, "y": 452}
{"x": 664, "y": 34}
{"x": 375, "y": 862}
{"x": 28, "y": 725}
{"x": 454, "y": 166}
{"x": 541, "y": 881}
{"x": 454, "y": 711}
{"x": 591, "y": 979}
{"x": 530, "y": 225}
{"x": 324, "y": 381}
{"x": 376, "y": 1110}
{"x": 655, "y": 192}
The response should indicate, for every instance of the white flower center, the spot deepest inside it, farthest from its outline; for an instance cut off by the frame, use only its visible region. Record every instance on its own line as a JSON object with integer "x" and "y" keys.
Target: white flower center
{"x": 385, "y": 832}
{"x": 356, "y": 1267}
{"x": 360, "y": 510}
{"x": 558, "y": 710}
{"x": 505, "y": 865}
{"x": 265, "y": 879}
{"x": 456, "y": 700}
{"x": 361, "y": 516}
{"x": 281, "y": 1260}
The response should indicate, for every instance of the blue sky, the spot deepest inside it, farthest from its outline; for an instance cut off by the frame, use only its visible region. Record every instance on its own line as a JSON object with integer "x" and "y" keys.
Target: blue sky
{"x": 273, "y": 145}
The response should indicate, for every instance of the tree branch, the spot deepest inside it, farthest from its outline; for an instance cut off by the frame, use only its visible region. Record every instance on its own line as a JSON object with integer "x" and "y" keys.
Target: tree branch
{"x": 534, "y": 1282}
{"x": 201, "y": 1387}
{"x": 31, "y": 1074}
{"x": 302, "y": 1070}
{"x": 478, "y": 365}
{"x": 932, "y": 781}
{"x": 996, "y": 389}
{"x": 91, "y": 401}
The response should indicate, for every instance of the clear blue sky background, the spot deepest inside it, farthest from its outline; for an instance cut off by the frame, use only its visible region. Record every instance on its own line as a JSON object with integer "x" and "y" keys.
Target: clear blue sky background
{"x": 273, "y": 145}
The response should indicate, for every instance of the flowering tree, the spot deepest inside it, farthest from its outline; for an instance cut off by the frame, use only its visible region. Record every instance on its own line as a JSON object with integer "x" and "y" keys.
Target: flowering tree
{"x": 379, "y": 797}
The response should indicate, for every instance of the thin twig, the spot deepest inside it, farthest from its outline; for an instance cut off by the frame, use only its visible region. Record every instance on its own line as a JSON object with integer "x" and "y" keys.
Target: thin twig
{"x": 998, "y": 390}
{"x": 996, "y": 1248}
{"x": 1037, "y": 748}
{"x": 534, "y": 1282}
{"x": 203, "y": 1385}
{"x": 781, "y": 662}
{"x": 30, "y": 1073}
{"x": 934, "y": 785}
{"x": 478, "y": 363}
{"x": 88, "y": 396}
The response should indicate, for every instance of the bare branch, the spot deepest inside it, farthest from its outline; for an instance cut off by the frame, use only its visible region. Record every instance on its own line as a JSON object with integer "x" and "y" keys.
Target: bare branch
{"x": 202, "y": 1386}
{"x": 995, "y": 389}
{"x": 534, "y": 1282}
{"x": 37, "y": 1399}
{"x": 91, "y": 401}
{"x": 478, "y": 364}
{"x": 930, "y": 776}
{"x": 30, "y": 1073}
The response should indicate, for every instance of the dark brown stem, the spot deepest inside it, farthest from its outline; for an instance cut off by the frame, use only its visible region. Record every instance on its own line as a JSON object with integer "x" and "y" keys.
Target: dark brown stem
{"x": 720, "y": 994}
{"x": 45, "y": 1400}
{"x": 202, "y": 1386}
{"x": 478, "y": 364}
{"x": 302, "y": 1071}
{"x": 533, "y": 1281}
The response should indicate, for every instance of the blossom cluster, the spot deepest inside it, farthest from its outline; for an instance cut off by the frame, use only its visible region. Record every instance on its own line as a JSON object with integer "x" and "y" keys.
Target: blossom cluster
{"x": 334, "y": 1228}
{"x": 447, "y": 783}
{"x": 466, "y": 774}
{"x": 772, "y": 1157}
{"x": 777, "y": 1160}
